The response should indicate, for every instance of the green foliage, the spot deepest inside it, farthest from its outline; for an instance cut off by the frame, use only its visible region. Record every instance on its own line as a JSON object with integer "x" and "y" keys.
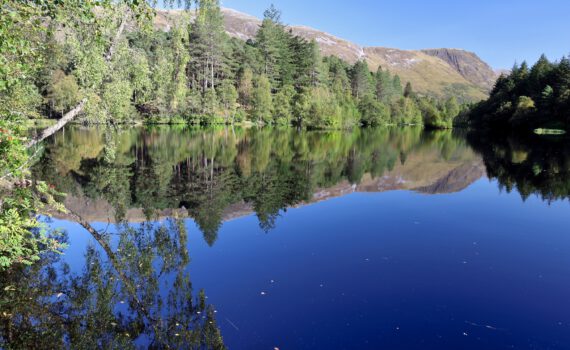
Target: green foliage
{"x": 22, "y": 238}
{"x": 405, "y": 111}
{"x": 11, "y": 148}
{"x": 116, "y": 100}
{"x": 208, "y": 42}
{"x": 65, "y": 303}
{"x": 245, "y": 89}
{"x": 432, "y": 116}
{"x": 262, "y": 100}
{"x": 196, "y": 70}
{"x": 374, "y": 112}
{"x": 282, "y": 108}
{"x": 55, "y": 54}
{"x": 228, "y": 100}
{"x": 528, "y": 99}
{"x": 324, "y": 111}
{"x": 63, "y": 92}
{"x": 140, "y": 77}
{"x": 91, "y": 68}
{"x": 361, "y": 80}
{"x": 210, "y": 170}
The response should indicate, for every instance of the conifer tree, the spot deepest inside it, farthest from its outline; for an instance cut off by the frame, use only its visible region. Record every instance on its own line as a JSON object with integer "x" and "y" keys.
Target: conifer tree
{"x": 360, "y": 79}
{"x": 397, "y": 83}
{"x": 273, "y": 46}
{"x": 208, "y": 41}
{"x": 384, "y": 85}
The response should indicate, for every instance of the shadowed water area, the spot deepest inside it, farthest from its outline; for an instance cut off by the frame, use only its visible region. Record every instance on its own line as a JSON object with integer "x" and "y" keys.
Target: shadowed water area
{"x": 262, "y": 239}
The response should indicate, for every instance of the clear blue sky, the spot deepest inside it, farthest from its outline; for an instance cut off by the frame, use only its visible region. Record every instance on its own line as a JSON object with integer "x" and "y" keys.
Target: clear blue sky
{"x": 500, "y": 31}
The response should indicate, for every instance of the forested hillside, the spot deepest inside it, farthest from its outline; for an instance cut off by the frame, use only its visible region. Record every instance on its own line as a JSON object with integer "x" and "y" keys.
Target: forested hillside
{"x": 197, "y": 73}
{"x": 439, "y": 73}
{"x": 528, "y": 98}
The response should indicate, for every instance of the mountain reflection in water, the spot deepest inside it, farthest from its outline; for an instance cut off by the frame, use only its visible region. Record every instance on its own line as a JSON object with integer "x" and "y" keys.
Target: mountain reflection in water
{"x": 218, "y": 175}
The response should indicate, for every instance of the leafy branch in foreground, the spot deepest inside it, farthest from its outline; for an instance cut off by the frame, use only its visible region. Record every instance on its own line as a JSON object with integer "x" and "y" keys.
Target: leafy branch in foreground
{"x": 26, "y": 28}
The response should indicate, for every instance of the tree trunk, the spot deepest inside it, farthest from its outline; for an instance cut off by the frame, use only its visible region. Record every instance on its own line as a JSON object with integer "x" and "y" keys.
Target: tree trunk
{"x": 69, "y": 116}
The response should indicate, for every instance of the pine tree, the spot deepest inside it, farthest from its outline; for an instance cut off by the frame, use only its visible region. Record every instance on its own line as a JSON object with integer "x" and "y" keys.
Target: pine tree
{"x": 384, "y": 85}
{"x": 208, "y": 41}
{"x": 271, "y": 39}
{"x": 397, "y": 83}
{"x": 360, "y": 79}
{"x": 338, "y": 79}
{"x": 539, "y": 74}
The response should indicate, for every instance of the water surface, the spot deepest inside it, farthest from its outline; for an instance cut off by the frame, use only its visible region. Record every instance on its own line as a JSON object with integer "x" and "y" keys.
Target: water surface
{"x": 263, "y": 239}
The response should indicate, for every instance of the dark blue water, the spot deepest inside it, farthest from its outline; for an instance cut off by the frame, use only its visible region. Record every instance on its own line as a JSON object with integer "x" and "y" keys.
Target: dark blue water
{"x": 480, "y": 266}
{"x": 392, "y": 270}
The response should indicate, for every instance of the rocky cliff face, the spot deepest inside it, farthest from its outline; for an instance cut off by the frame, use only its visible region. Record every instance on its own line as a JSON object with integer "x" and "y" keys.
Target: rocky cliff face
{"x": 468, "y": 64}
{"x": 439, "y": 72}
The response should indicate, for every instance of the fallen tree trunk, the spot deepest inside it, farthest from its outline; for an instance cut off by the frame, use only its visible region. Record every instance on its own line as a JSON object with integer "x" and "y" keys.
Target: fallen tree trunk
{"x": 69, "y": 116}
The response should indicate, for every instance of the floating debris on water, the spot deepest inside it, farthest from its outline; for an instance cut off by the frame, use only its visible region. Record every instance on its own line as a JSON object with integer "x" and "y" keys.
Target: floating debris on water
{"x": 483, "y": 326}
{"x": 232, "y": 324}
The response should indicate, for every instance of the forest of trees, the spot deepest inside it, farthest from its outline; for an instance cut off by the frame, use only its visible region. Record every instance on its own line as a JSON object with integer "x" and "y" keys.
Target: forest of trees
{"x": 528, "y": 98}
{"x": 196, "y": 73}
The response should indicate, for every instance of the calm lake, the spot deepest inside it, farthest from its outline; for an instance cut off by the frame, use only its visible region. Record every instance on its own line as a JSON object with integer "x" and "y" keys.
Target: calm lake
{"x": 282, "y": 239}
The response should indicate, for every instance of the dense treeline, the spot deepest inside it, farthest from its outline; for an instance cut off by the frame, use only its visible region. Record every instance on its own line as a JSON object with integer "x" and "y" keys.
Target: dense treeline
{"x": 528, "y": 98}
{"x": 196, "y": 73}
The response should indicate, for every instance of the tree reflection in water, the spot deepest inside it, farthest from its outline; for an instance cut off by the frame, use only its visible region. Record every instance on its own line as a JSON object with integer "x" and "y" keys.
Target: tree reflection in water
{"x": 134, "y": 291}
{"x": 529, "y": 164}
{"x": 212, "y": 173}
